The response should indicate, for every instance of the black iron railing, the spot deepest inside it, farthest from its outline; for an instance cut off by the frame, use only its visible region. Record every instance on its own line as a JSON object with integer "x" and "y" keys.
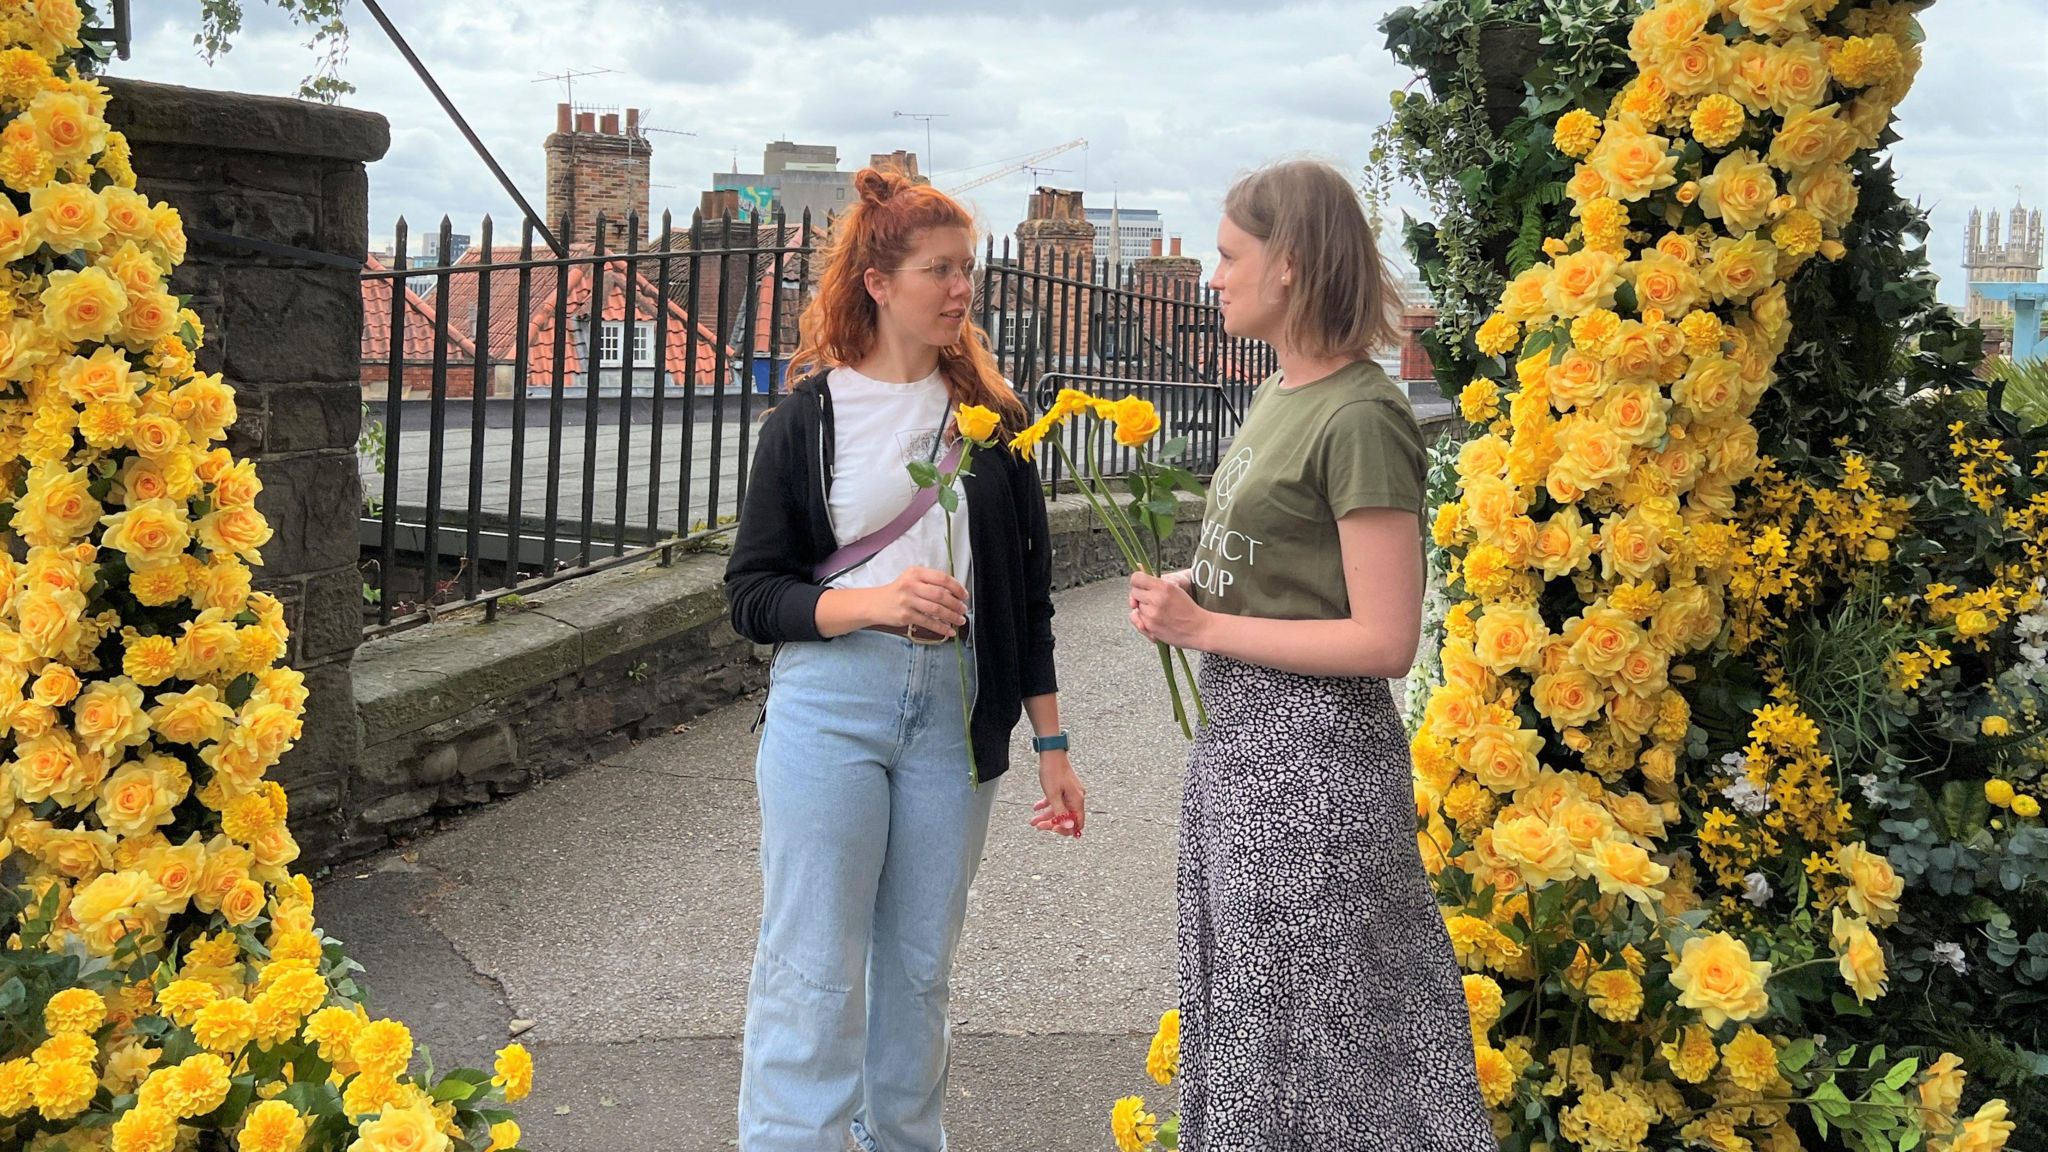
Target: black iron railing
{"x": 532, "y": 416}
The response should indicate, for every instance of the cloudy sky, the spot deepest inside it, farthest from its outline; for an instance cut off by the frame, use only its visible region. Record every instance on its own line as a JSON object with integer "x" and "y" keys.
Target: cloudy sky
{"x": 1175, "y": 100}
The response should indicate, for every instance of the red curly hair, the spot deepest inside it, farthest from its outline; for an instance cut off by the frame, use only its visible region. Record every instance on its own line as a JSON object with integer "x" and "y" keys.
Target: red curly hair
{"x": 838, "y": 326}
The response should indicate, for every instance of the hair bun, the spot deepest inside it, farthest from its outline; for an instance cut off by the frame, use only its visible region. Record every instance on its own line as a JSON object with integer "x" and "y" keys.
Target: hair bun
{"x": 876, "y": 186}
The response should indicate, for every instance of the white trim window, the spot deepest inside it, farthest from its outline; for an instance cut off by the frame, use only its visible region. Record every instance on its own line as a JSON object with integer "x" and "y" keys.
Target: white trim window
{"x": 1018, "y": 328}
{"x": 612, "y": 333}
{"x": 608, "y": 335}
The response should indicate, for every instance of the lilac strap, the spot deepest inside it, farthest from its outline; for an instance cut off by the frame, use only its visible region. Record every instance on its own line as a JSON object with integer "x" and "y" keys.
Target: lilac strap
{"x": 867, "y": 547}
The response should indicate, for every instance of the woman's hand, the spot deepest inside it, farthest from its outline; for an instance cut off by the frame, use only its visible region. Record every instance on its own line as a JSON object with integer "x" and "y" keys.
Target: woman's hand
{"x": 1064, "y": 810}
{"x": 922, "y": 598}
{"x": 1162, "y": 610}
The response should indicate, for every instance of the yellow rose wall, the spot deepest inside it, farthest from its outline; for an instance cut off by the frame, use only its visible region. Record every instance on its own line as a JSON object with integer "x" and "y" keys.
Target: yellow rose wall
{"x": 1623, "y": 994}
{"x": 163, "y": 980}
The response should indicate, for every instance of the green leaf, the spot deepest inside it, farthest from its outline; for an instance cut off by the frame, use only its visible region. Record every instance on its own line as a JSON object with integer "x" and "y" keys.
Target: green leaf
{"x": 1797, "y": 1055}
{"x": 1900, "y": 1073}
{"x": 924, "y": 473}
{"x": 453, "y": 1089}
{"x": 949, "y": 499}
{"x": 1174, "y": 449}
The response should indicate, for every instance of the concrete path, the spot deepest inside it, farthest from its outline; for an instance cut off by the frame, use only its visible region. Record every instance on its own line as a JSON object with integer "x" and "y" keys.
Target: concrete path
{"x": 612, "y": 913}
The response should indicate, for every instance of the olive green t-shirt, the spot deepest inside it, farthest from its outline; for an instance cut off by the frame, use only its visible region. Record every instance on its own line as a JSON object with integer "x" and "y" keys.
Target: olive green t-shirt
{"x": 1304, "y": 457}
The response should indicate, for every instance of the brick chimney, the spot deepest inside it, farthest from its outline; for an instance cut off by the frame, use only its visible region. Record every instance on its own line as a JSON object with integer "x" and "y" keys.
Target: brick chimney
{"x": 597, "y": 166}
{"x": 1167, "y": 272}
{"x": 1056, "y": 237}
{"x": 901, "y": 161}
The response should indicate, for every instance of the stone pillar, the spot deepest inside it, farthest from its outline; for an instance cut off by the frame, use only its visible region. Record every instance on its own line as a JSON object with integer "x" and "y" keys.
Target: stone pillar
{"x": 284, "y": 328}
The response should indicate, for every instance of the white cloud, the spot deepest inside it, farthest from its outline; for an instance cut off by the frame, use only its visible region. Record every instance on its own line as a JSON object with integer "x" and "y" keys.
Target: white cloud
{"x": 1175, "y": 101}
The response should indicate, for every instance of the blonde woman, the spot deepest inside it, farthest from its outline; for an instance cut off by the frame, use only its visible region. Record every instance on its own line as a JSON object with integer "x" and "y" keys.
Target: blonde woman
{"x": 1321, "y": 1006}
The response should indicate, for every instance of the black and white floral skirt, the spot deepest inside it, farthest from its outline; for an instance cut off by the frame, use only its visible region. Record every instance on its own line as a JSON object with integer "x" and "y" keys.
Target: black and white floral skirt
{"x": 1321, "y": 1005}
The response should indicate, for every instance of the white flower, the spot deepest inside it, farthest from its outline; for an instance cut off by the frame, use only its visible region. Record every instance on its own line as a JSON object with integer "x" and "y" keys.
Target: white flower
{"x": 1756, "y": 888}
{"x": 1871, "y": 785}
{"x": 1732, "y": 764}
{"x": 1746, "y": 798}
{"x": 1951, "y": 954}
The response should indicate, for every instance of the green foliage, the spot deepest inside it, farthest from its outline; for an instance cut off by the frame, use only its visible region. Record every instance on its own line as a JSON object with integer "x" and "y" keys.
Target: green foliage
{"x": 221, "y": 20}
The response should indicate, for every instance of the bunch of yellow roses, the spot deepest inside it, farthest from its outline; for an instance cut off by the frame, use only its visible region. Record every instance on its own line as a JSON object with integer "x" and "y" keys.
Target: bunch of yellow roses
{"x": 1594, "y": 545}
{"x": 163, "y": 975}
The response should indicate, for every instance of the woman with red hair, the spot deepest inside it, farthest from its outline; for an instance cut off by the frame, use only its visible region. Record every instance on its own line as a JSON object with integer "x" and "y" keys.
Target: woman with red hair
{"x": 873, "y": 815}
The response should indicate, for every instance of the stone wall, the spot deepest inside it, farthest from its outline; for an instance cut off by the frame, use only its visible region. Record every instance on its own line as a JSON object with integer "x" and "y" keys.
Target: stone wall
{"x": 283, "y": 327}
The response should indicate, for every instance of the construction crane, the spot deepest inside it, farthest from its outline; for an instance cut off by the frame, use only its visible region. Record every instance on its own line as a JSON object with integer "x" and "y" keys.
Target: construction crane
{"x": 1026, "y": 163}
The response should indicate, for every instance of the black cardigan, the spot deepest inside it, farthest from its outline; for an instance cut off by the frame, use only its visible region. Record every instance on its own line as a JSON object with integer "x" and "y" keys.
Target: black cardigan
{"x": 785, "y": 530}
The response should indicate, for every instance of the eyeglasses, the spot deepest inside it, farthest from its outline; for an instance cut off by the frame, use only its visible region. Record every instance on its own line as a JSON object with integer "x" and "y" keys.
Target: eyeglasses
{"x": 944, "y": 270}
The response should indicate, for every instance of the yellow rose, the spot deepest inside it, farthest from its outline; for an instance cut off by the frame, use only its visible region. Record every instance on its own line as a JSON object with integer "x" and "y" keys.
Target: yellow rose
{"x": 1644, "y": 671}
{"x": 1770, "y": 17}
{"x": 84, "y": 305}
{"x": 109, "y": 716}
{"x": 1859, "y": 956}
{"x": 1136, "y": 421}
{"x": 1665, "y": 27}
{"x": 112, "y": 905}
{"x": 1712, "y": 388}
{"x": 1808, "y": 138}
{"x": 149, "y": 317}
{"x": 237, "y": 530}
{"x": 977, "y": 423}
{"x": 1582, "y": 281}
{"x": 1577, "y": 380}
{"x": 47, "y": 765}
{"x": 168, "y": 234}
{"x": 1739, "y": 191}
{"x": 1798, "y": 76}
{"x": 1631, "y": 162}
{"x": 151, "y": 533}
{"x": 1829, "y": 192}
{"x": 1715, "y": 976}
{"x": 1739, "y": 269}
{"x": 1700, "y": 65}
{"x": 66, "y": 127}
{"x": 1987, "y": 1131}
{"x": 1941, "y": 1094}
{"x": 1874, "y": 887}
{"x": 1501, "y": 758}
{"x": 1601, "y": 639}
{"x": 57, "y": 506}
{"x": 207, "y": 406}
{"x": 1537, "y": 849}
{"x": 1568, "y": 698}
{"x": 1624, "y": 869}
{"x": 1664, "y": 283}
{"x": 1636, "y": 412}
{"x": 1509, "y": 636}
{"x": 50, "y": 621}
{"x": 56, "y": 685}
{"x": 135, "y": 270}
{"x": 1589, "y": 455}
{"x": 176, "y": 870}
{"x": 68, "y": 217}
{"x": 19, "y": 235}
{"x": 128, "y": 218}
{"x": 1562, "y": 544}
{"x": 195, "y": 717}
{"x": 1525, "y": 298}
{"x": 136, "y": 798}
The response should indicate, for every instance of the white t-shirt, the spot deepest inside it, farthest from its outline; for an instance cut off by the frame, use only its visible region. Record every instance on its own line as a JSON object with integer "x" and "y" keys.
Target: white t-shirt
{"x": 878, "y": 428}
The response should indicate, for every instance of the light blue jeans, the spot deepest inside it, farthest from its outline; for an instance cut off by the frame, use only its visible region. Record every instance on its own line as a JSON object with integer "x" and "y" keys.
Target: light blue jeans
{"x": 871, "y": 830}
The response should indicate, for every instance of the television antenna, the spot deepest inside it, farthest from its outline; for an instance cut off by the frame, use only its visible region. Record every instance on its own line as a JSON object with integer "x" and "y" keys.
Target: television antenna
{"x": 927, "y": 117}
{"x": 568, "y": 80}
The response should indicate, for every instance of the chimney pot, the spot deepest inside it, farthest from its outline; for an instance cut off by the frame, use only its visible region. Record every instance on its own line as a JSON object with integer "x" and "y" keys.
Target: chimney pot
{"x": 632, "y": 121}
{"x": 1176, "y": 245}
{"x": 610, "y": 124}
{"x": 586, "y": 121}
{"x": 1157, "y": 246}
{"x": 562, "y": 118}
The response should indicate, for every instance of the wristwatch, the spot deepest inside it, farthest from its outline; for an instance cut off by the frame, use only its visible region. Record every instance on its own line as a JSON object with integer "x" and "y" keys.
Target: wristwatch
{"x": 1055, "y": 743}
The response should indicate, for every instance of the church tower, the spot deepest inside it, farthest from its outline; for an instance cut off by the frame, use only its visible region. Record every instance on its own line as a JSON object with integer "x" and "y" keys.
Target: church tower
{"x": 2015, "y": 259}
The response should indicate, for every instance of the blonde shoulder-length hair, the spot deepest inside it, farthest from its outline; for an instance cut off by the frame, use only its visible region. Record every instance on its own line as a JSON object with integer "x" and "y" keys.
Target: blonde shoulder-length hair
{"x": 1341, "y": 302}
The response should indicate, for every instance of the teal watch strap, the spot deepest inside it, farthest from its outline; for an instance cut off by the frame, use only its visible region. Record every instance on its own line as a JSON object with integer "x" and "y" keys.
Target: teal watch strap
{"x": 1057, "y": 743}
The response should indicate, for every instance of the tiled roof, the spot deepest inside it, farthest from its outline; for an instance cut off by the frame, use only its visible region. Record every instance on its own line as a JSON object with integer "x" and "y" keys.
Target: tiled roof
{"x": 418, "y": 325}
